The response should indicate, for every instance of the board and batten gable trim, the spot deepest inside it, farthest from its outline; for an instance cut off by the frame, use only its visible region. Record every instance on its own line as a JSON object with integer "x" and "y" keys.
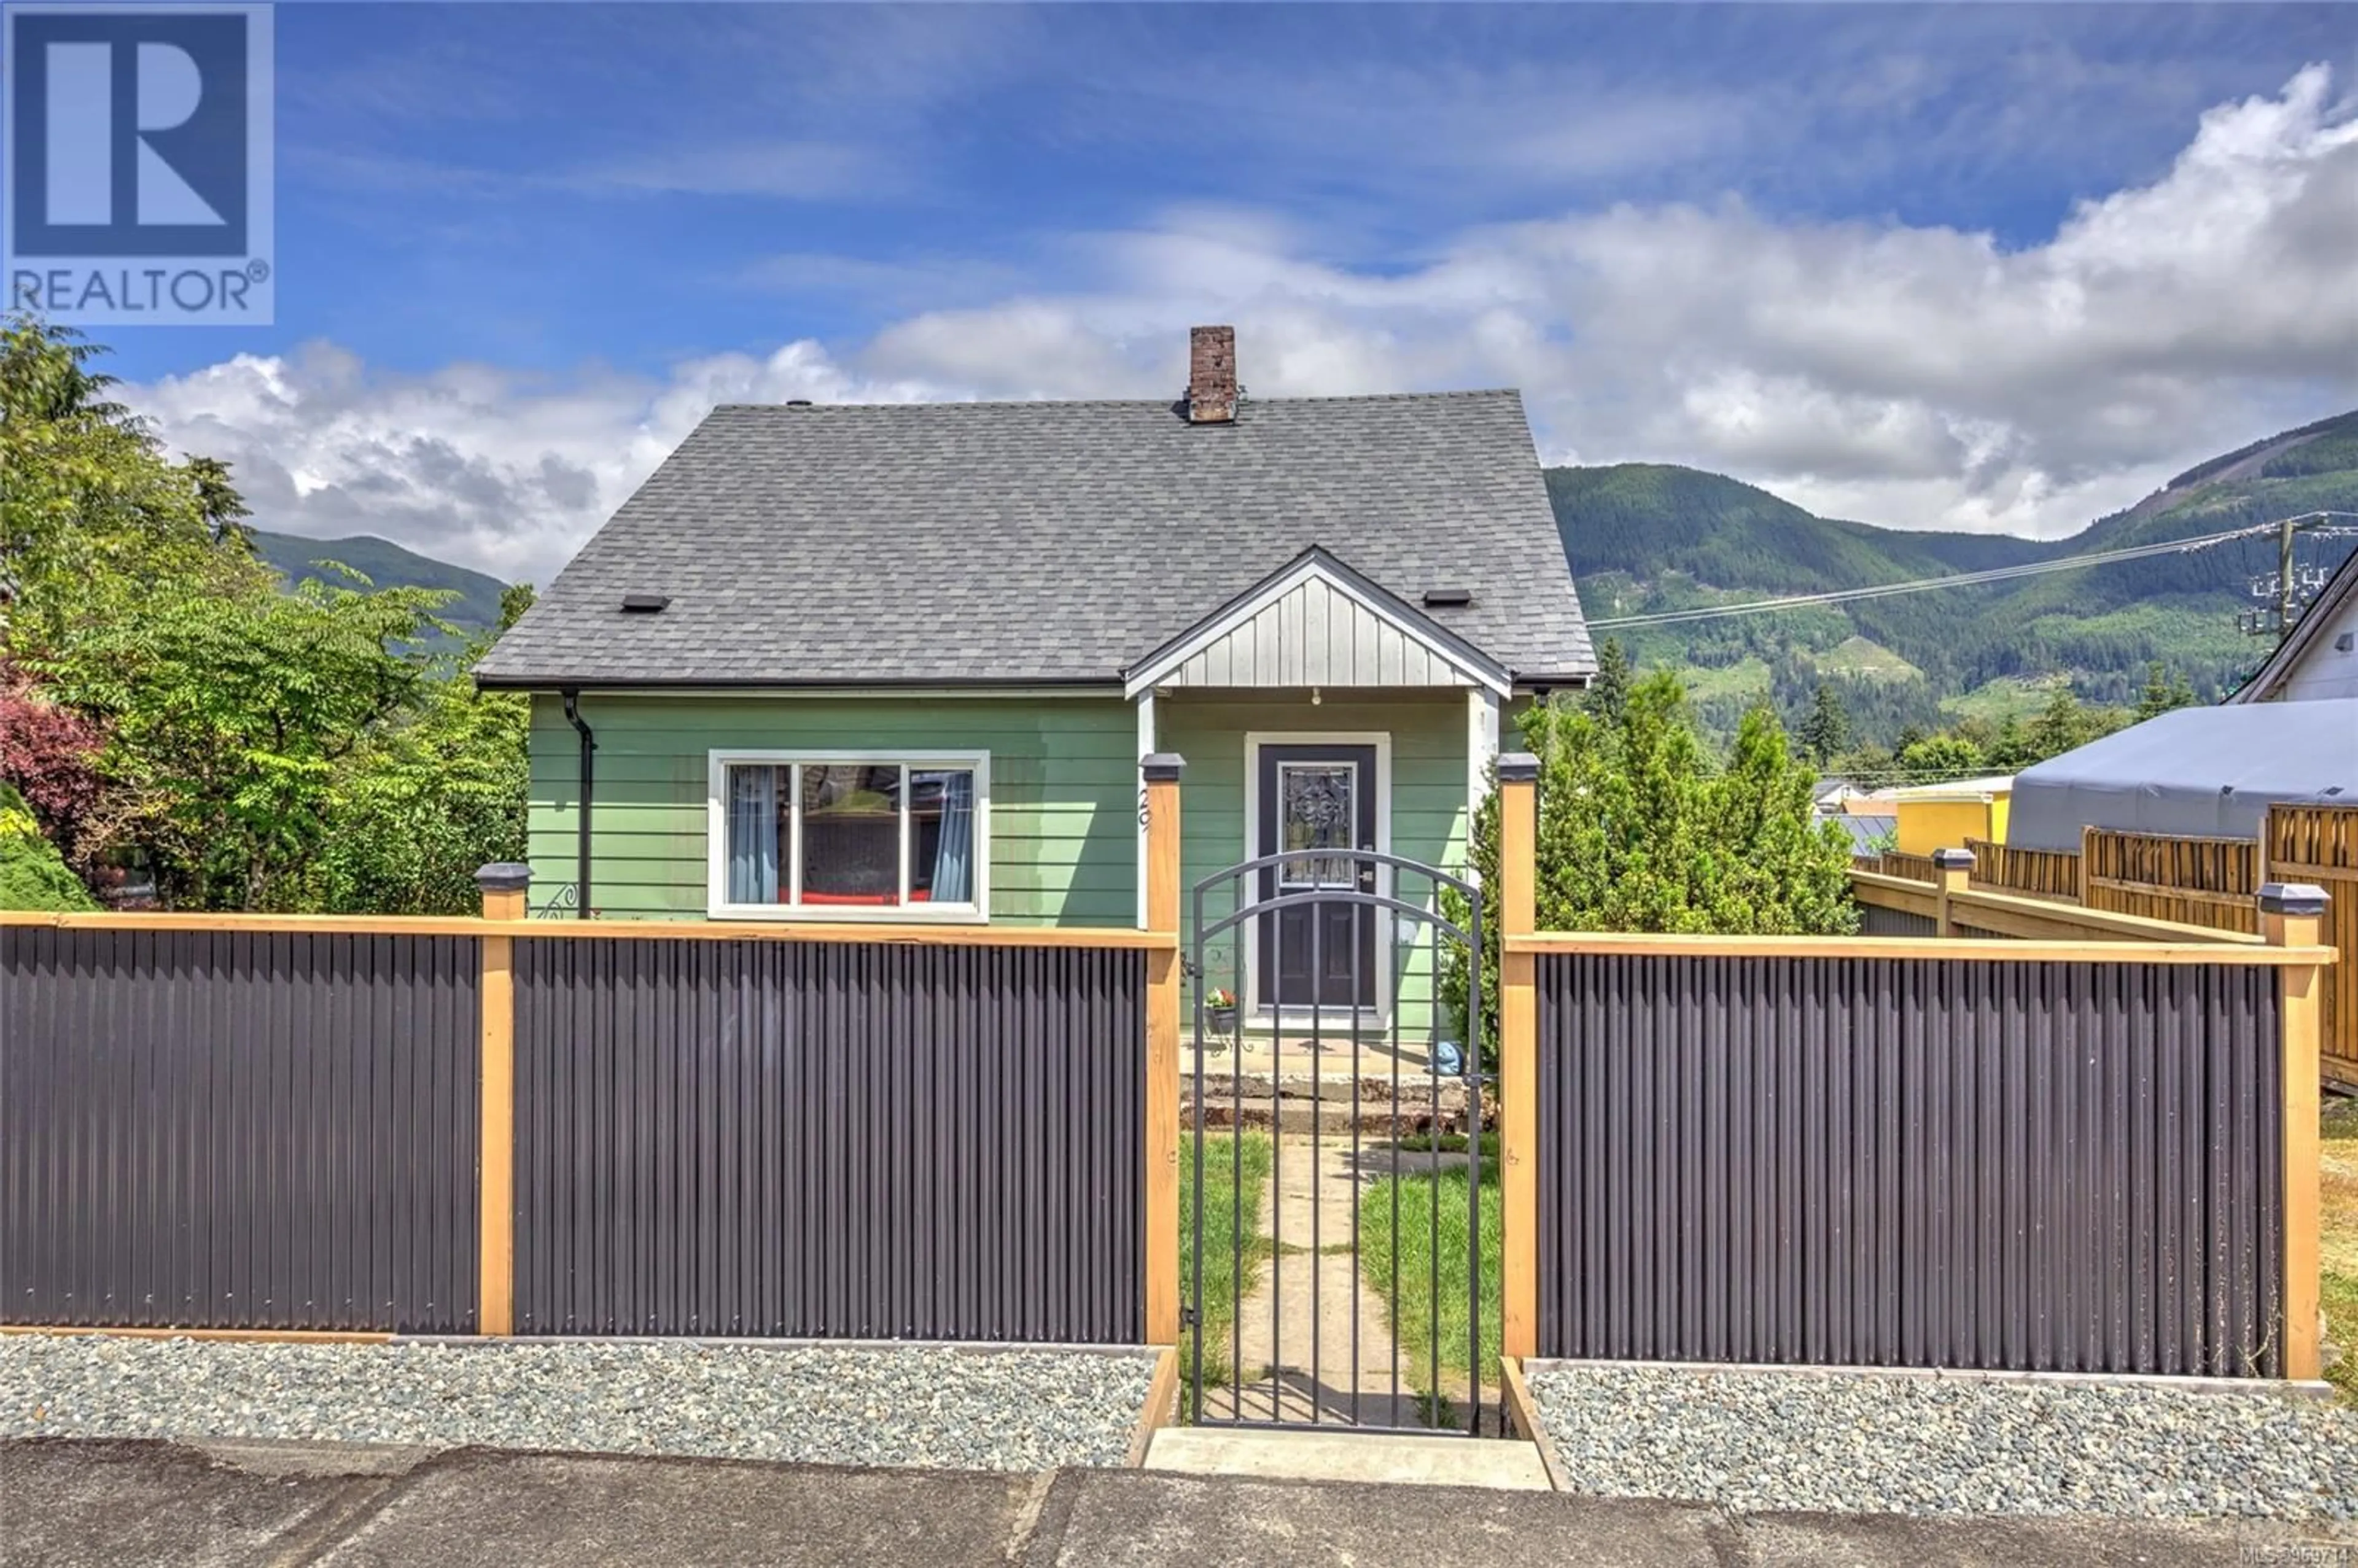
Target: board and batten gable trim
{"x": 1167, "y": 663}
{"x": 718, "y": 761}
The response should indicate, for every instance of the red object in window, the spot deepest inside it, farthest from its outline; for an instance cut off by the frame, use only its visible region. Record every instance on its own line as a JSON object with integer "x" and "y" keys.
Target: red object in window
{"x": 865, "y": 900}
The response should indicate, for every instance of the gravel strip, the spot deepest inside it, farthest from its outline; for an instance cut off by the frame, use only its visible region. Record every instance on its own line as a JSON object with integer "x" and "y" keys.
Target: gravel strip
{"x": 997, "y": 1410}
{"x": 1764, "y": 1441}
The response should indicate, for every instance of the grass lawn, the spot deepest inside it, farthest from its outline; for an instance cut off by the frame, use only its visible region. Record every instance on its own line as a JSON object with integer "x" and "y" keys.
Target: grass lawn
{"x": 2340, "y": 1252}
{"x": 1412, "y": 1244}
{"x": 1223, "y": 1219}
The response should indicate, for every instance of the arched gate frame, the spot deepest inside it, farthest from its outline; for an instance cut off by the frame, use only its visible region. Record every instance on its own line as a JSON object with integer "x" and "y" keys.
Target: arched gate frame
{"x": 1414, "y": 1069}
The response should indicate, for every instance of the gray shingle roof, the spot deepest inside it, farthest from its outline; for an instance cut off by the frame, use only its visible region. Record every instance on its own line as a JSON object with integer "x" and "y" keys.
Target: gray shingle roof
{"x": 1042, "y": 542}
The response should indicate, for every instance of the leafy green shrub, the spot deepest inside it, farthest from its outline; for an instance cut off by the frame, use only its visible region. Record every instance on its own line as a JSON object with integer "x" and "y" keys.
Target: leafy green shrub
{"x": 33, "y": 875}
{"x": 1640, "y": 830}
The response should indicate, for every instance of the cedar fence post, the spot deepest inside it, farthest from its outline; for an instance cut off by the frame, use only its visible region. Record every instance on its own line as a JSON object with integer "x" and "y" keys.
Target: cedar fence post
{"x": 1160, "y": 773}
{"x": 1952, "y": 873}
{"x": 505, "y": 887}
{"x": 1519, "y": 1077}
{"x": 2292, "y": 915}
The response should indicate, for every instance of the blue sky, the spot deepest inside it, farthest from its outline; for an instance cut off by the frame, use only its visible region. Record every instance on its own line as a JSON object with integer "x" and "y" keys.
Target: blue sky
{"x": 536, "y": 213}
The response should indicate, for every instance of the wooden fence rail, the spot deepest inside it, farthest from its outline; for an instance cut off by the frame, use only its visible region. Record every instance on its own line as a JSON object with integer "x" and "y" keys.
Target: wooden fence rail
{"x": 1952, "y": 907}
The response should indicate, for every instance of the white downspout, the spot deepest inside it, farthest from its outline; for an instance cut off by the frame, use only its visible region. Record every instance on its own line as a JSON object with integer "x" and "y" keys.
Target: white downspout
{"x": 1481, "y": 753}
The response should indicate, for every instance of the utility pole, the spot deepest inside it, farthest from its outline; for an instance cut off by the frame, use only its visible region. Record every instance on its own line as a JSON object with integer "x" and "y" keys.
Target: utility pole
{"x": 2284, "y": 580}
{"x": 2287, "y": 593}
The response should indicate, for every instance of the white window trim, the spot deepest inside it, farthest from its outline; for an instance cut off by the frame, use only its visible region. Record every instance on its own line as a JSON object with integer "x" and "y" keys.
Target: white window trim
{"x": 1380, "y": 1016}
{"x": 716, "y": 884}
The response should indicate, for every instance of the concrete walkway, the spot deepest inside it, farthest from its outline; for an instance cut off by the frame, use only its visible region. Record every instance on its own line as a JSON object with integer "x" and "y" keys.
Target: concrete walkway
{"x": 1350, "y": 1372}
{"x": 1390, "y": 1458}
{"x": 125, "y": 1505}
{"x": 1311, "y": 1350}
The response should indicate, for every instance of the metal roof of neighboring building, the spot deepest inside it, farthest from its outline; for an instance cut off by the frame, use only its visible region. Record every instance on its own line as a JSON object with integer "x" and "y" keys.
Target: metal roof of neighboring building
{"x": 2201, "y": 771}
{"x": 1049, "y": 543}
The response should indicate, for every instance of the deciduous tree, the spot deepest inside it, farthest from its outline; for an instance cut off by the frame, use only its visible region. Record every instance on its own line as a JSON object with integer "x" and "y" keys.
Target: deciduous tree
{"x": 229, "y": 716}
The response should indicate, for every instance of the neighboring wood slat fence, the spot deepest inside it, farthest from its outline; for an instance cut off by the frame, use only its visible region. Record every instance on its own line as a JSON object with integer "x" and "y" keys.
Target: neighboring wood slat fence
{"x": 2198, "y": 881}
{"x": 2319, "y": 844}
{"x": 1950, "y": 906}
{"x": 2039, "y": 873}
{"x": 1892, "y": 863}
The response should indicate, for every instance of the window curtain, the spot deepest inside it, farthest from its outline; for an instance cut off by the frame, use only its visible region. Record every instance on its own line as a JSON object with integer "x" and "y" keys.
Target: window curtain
{"x": 753, "y": 835}
{"x": 954, "y": 854}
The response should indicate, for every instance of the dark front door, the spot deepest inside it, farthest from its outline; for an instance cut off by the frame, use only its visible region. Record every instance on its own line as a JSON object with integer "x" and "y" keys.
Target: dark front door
{"x": 1314, "y": 798}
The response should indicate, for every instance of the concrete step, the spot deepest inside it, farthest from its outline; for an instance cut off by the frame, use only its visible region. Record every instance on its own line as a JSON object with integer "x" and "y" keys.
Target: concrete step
{"x": 1309, "y": 1455}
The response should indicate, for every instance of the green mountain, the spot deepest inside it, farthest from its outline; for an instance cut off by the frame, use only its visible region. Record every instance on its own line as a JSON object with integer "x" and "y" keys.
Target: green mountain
{"x": 386, "y": 565}
{"x": 1648, "y": 537}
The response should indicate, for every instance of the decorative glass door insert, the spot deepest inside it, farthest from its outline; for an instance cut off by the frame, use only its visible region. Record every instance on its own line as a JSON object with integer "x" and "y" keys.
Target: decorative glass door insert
{"x": 1318, "y": 810}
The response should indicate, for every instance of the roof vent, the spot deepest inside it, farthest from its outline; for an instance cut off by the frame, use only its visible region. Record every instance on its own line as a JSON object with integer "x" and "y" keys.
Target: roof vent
{"x": 1448, "y": 598}
{"x": 645, "y": 603}
{"x": 798, "y": 402}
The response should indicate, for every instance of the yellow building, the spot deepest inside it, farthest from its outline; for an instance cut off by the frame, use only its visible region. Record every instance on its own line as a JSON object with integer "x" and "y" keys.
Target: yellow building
{"x": 1943, "y": 815}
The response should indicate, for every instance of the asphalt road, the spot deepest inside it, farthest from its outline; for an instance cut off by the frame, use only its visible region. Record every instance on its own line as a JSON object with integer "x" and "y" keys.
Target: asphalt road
{"x": 119, "y": 1503}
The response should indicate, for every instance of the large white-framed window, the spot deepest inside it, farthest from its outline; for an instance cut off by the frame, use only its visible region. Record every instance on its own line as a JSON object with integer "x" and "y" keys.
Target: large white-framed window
{"x": 835, "y": 835}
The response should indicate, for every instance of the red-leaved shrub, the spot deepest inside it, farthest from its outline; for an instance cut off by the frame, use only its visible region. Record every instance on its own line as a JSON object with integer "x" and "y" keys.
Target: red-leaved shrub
{"x": 49, "y": 753}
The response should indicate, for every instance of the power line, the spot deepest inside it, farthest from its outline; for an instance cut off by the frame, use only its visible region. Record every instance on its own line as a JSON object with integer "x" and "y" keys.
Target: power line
{"x": 1962, "y": 580}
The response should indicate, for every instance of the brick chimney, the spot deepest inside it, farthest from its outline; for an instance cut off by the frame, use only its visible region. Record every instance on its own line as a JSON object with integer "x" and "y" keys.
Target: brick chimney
{"x": 1212, "y": 375}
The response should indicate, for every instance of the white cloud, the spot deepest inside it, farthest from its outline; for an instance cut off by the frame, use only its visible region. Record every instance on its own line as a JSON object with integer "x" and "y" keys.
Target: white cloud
{"x": 1916, "y": 376}
{"x": 499, "y": 472}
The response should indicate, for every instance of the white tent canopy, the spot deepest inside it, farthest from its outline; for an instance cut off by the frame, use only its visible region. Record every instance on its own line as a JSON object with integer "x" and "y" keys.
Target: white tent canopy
{"x": 2198, "y": 772}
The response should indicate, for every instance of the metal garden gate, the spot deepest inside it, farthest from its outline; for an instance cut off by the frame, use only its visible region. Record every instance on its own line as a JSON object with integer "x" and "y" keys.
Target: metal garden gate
{"x": 1334, "y": 1266}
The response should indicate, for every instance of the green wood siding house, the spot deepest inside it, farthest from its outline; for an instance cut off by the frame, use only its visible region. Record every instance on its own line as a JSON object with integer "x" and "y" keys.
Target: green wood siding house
{"x": 896, "y": 662}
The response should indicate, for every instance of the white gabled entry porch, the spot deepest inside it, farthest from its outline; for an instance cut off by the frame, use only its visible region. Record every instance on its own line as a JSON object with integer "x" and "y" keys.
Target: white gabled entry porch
{"x": 1318, "y": 708}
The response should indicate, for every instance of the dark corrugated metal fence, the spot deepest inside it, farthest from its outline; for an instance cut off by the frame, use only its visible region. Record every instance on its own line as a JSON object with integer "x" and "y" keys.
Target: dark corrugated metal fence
{"x": 829, "y": 1139}
{"x": 1880, "y": 1162}
{"x": 237, "y": 1130}
{"x": 1874, "y": 920}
